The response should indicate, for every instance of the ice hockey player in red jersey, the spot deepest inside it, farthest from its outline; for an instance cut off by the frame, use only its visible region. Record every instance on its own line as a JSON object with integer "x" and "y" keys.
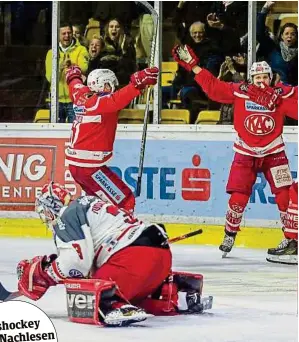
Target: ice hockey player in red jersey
{"x": 93, "y": 132}
{"x": 287, "y": 251}
{"x": 116, "y": 269}
{"x": 259, "y": 146}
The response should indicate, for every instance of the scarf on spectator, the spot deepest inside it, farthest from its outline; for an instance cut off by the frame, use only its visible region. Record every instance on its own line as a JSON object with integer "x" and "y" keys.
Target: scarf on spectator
{"x": 64, "y": 50}
{"x": 288, "y": 53}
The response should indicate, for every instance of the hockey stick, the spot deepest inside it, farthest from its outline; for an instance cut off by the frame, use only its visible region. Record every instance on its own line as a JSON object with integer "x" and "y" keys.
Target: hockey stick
{"x": 148, "y": 96}
{"x": 185, "y": 236}
{"x": 7, "y": 295}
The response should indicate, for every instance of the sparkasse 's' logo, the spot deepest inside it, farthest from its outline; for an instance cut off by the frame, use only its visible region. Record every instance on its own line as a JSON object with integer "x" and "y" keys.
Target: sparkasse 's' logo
{"x": 196, "y": 183}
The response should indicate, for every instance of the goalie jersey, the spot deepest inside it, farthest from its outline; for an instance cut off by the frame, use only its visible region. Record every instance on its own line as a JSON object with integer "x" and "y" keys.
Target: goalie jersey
{"x": 87, "y": 233}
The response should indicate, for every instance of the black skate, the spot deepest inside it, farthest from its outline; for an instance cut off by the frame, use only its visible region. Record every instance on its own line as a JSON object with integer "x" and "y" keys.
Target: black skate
{"x": 125, "y": 315}
{"x": 285, "y": 253}
{"x": 227, "y": 243}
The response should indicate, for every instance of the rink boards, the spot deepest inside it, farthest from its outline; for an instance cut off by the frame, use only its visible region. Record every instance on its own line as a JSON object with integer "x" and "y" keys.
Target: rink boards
{"x": 184, "y": 178}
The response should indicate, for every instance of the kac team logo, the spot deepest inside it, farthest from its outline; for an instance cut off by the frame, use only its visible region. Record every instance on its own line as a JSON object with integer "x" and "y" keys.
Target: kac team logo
{"x": 259, "y": 124}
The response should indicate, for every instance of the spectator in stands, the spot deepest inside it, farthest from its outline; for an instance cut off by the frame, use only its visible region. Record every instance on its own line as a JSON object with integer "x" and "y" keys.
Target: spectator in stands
{"x": 127, "y": 11}
{"x": 231, "y": 70}
{"x": 118, "y": 53}
{"x": 210, "y": 57}
{"x": 187, "y": 13}
{"x": 78, "y": 33}
{"x": 95, "y": 47}
{"x": 282, "y": 55}
{"x": 70, "y": 52}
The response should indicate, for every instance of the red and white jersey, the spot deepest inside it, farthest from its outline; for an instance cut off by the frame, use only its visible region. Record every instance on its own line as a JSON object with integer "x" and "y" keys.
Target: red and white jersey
{"x": 87, "y": 233}
{"x": 259, "y": 129}
{"x": 93, "y": 131}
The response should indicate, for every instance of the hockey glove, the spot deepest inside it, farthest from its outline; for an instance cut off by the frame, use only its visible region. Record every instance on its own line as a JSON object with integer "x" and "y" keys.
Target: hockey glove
{"x": 146, "y": 77}
{"x": 185, "y": 56}
{"x": 264, "y": 96}
{"x": 33, "y": 278}
{"x": 72, "y": 73}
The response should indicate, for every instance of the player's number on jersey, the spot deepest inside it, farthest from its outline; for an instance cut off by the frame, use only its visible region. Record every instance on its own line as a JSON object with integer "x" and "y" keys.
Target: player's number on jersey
{"x": 113, "y": 210}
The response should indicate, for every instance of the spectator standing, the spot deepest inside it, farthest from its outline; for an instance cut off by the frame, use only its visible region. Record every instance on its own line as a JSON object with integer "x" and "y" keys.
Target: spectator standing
{"x": 70, "y": 52}
{"x": 282, "y": 55}
{"x": 94, "y": 50}
{"x": 118, "y": 54}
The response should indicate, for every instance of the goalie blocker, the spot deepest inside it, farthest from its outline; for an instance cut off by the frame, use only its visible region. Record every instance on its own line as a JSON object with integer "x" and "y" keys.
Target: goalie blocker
{"x": 90, "y": 301}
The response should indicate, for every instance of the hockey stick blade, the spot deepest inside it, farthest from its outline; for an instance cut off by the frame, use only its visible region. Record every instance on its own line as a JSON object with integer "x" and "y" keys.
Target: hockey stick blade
{"x": 7, "y": 295}
{"x": 185, "y": 236}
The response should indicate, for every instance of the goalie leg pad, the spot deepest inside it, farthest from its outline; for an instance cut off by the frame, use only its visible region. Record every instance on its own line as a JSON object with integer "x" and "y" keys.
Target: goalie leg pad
{"x": 84, "y": 298}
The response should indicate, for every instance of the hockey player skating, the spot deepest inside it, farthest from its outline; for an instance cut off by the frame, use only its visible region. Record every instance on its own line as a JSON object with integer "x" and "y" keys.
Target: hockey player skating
{"x": 287, "y": 251}
{"x": 259, "y": 146}
{"x": 93, "y": 132}
{"x": 126, "y": 265}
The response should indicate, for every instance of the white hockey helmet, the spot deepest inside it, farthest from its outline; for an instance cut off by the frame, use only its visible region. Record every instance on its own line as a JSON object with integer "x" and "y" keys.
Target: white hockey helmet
{"x": 258, "y": 68}
{"x": 52, "y": 199}
{"x": 97, "y": 79}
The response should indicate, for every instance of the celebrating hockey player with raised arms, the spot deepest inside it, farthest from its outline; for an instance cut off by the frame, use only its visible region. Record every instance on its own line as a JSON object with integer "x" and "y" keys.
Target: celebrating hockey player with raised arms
{"x": 108, "y": 259}
{"x": 93, "y": 132}
{"x": 259, "y": 145}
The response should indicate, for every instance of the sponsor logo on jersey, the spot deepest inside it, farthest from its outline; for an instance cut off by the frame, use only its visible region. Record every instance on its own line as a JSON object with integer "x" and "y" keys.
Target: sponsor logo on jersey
{"x": 244, "y": 87}
{"x": 78, "y": 109}
{"x": 75, "y": 274}
{"x": 110, "y": 188}
{"x": 254, "y": 107}
{"x": 278, "y": 90}
{"x": 59, "y": 224}
{"x": 259, "y": 124}
{"x": 73, "y": 286}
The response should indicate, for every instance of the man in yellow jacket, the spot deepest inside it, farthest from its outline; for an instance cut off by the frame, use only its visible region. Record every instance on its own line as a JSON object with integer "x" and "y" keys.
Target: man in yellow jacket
{"x": 70, "y": 52}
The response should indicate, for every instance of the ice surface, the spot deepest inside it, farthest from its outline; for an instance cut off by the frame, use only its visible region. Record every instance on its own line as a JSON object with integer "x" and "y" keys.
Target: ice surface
{"x": 254, "y": 301}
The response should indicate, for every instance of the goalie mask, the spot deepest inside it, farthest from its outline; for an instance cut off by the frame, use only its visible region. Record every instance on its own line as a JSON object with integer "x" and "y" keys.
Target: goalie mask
{"x": 102, "y": 81}
{"x": 48, "y": 205}
{"x": 258, "y": 68}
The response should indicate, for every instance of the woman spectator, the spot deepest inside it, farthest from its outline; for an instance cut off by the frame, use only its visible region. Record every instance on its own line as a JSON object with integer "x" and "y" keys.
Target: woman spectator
{"x": 118, "y": 54}
{"x": 282, "y": 55}
{"x": 95, "y": 47}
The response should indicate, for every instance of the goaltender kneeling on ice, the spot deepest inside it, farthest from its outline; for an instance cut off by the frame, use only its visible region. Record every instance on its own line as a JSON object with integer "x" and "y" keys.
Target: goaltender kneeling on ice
{"x": 116, "y": 269}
